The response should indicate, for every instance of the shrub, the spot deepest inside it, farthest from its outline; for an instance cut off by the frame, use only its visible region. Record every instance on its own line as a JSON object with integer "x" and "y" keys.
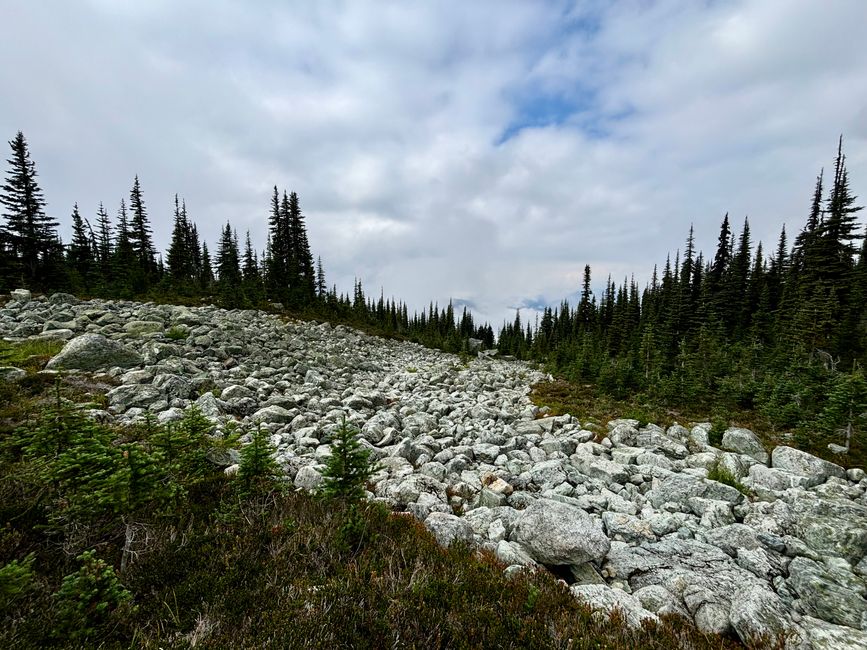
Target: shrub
{"x": 257, "y": 458}
{"x": 16, "y": 580}
{"x": 348, "y": 468}
{"x": 718, "y": 428}
{"x": 717, "y": 472}
{"x": 90, "y": 598}
{"x": 177, "y": 333}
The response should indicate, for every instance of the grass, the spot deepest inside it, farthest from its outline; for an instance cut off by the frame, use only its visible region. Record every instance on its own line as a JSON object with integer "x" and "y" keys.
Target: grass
{"x": 270, "y": 567}
{"x": 177, "y": 333}
{"x": 30, "y": 355}
{"x": 717, "y": 472}
{"x": 587, "y": 402}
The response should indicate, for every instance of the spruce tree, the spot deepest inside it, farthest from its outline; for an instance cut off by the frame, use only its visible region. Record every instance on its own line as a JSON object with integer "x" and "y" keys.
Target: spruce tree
{"x": 80, "y": 256}
{"x": 206, "y": 272}
{"x": 321, "y": 287}
{"x": 140, "y": 236}
{"x": 103, "y": 244}
{"x": 348, "y": 467}
{"x": 178, "y": 258}
{"x": 229, "y": 270}
{"x": 29, "y": 235}
{"x": 124, "y": 261}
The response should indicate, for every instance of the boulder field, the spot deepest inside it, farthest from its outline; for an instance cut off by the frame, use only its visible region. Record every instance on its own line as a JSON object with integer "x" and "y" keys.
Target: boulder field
{"x": 625, "y": 514}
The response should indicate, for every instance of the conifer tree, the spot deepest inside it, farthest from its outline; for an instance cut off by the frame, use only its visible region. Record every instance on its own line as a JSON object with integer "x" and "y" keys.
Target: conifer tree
{"x": 103, "y": 243}
{"x": 723, "y": 253}
{"x": 348, "y": 467}
{"x": 206, "y": 272}
{"x": 276, "y": 259}
{"x": 584, "y": 312}
{"x": 302, "y": 275}
{"x": 839, "y": 232}
{"x": 252, "y": 280}
{"x": 179, "y": 259}
{"x": 140, "y": 236}
{"x": 229, "y": 270}
{"x": 250, "y": 269}
{"x": 194, "y": 250}
{"x": 257, "y": 458}
{"x": 80, "y": 256}
{"x": 124, "y": 262}
{"x": 29, "y": 235}
{"x": 321, "y": 286}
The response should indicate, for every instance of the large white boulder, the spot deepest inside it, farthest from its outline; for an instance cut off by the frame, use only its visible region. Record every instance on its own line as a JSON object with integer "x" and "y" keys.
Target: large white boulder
{"x": 555, "y": 533}
{"x": 92, "y": 352}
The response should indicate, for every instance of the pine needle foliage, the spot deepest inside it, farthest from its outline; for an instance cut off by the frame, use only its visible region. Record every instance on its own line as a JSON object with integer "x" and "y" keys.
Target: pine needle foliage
{"x": 348, "y": 468}
{"x": 257, "y": 459}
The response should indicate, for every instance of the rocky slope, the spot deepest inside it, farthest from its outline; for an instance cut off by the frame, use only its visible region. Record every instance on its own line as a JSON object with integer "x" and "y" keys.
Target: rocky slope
{"x": 627, "y": 515}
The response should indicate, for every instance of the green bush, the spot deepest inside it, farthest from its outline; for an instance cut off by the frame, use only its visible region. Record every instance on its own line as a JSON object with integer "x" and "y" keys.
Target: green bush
{"x": 89, "y": 599}
{"x": 717, "y": 472}
{"x": 177, "y": 333}
{"x": 717, "y": 429}
{"x": 16, "y": 580}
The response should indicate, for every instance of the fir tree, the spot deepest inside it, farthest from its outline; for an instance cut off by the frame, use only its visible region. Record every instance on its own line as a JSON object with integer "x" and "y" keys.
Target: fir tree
{"x": 140, "y": 236}
{"x": 257, "y": 458}
{"x": 229, "y": 270}
{"x": 321, "y": 287}
{"x": 348, "y": 467}
{"x": 276, "y": 259}
{"x": 585, "y": 315}
{"x": 80, "y": 256}
{"x": 252, "y": 279}
{"x": 839, "y": 232}
{"x": 103, "y": 243}
{"x": 303, "y": 275}
{"x": 179, "y": 259}
{"x": 29, "y": 236}
{"x": 124, "y": 260}
{"x": 206, "y": 272}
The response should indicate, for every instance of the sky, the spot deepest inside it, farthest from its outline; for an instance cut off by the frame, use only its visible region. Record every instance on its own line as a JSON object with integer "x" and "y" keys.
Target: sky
{"x": 482, "y": 151}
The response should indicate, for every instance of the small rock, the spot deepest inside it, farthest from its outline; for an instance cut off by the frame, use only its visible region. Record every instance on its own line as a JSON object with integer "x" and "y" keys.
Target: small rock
{"x": 11, "y": 373}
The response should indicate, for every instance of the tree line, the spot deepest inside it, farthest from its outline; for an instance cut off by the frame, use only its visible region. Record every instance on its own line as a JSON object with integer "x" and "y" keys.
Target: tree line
{"x": 782, "y": 333}
{"x": 777, "y": 331}
{"x": 117, "y": 259}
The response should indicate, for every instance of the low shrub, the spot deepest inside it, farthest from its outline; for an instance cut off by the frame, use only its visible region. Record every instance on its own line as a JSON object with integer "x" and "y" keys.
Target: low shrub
{"x": 717, "y": 472}
{"x": 88, "y": 599}
{"x": 177, "y": 333}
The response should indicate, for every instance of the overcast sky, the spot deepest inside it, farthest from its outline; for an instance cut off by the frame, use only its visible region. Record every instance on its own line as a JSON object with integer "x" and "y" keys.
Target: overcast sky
{"x": 479, "y": 151}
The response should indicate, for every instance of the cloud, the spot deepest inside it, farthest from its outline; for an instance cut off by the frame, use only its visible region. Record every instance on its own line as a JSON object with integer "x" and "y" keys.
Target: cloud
{"x": 477, "y": 151}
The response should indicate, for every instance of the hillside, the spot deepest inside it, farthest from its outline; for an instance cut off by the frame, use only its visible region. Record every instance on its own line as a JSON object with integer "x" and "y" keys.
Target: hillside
{"x": 655, "y": 523}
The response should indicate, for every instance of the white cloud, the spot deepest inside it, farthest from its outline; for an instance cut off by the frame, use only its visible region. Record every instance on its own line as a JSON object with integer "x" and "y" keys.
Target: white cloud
{"x": 387, "y": 119}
